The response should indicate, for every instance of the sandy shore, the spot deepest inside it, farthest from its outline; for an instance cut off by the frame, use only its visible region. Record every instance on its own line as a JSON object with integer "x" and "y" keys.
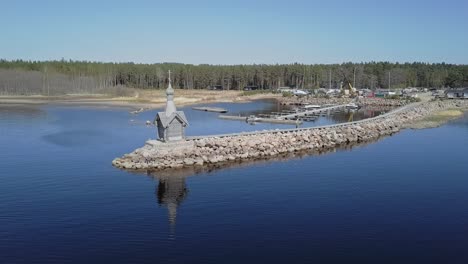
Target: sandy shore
{"x": 144, "y": 99}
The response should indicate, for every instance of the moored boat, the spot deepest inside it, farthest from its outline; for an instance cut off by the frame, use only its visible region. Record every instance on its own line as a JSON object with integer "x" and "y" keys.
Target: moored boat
{"x": 352, "y": 106}
{"x": 311, "y": 106}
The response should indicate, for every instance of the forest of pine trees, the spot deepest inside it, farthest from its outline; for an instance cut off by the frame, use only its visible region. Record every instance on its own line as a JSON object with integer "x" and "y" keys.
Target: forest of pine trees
{"x": 20, "y": 77}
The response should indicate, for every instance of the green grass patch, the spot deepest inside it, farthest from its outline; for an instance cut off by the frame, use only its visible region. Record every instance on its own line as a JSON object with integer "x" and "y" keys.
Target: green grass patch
{"x": 254, "y": 92}
{"x": 444, "y": 115}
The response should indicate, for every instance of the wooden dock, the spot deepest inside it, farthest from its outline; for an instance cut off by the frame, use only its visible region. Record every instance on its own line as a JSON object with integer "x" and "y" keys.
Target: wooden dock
{"x": 137, "y": 111}
{"x": 210, "y": 109}
{"x": 261, "y": 120}
{"x": 411, "y": 106}
{"x": 321, "y": 111}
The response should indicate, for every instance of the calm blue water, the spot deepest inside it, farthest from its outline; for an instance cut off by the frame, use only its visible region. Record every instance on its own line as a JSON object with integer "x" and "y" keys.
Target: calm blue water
{"x": 403, "y": 199}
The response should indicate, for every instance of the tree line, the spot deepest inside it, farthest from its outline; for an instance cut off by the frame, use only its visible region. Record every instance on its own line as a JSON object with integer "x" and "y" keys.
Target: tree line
{"x": 67, "y": 76}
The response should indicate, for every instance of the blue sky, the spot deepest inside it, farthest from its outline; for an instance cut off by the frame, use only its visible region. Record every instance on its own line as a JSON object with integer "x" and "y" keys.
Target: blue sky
{"x": 235, "y": 32}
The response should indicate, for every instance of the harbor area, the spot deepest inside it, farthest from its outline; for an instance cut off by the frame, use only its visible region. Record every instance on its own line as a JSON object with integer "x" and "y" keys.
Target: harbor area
{"x": 174, "y": 149}
{"x": 212, "y": 149}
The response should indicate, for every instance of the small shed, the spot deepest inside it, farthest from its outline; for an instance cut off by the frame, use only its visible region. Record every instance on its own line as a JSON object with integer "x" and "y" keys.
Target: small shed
{"x": 172, "y": 127}
{"x": 457, "y": 93}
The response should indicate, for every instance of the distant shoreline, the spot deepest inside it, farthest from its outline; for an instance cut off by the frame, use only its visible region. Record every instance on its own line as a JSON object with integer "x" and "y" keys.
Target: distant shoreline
{"x": 145, "y": 100}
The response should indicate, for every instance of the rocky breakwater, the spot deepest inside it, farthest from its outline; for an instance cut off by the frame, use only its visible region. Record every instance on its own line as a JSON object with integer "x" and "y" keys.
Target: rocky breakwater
{"x": 227, "y": 148}
{"x": 338, "y": 101}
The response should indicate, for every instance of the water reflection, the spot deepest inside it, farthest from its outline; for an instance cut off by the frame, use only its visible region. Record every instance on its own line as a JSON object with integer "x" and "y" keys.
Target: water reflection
{"x": 208, "y": 168}
{"x": 270, "y": 105}
{"x": 10, "y": 113}
{"x": 172, "y": 189}
{"x": 353, "y": 115}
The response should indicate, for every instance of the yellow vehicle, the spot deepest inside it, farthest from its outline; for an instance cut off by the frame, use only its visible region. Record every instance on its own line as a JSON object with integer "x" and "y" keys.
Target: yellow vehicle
{"x": 348, "y": 89}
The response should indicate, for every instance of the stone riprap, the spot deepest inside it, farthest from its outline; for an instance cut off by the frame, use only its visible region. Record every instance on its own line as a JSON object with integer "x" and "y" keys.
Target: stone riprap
{"x": 339, "y": 101}
{"x": 199, "y": 151}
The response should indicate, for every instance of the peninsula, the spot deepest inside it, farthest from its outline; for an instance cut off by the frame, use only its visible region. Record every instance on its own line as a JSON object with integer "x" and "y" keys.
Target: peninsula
{"x": 199, "y": 151}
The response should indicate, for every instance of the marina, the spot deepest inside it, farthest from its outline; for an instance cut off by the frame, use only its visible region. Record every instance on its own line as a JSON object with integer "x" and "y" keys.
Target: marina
{"x": 294, "y": 116}
{"x": 162, "y": 153}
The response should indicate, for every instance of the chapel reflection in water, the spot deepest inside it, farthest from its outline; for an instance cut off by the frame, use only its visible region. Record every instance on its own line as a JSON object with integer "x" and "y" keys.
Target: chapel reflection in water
{"x": 172, "y": 189}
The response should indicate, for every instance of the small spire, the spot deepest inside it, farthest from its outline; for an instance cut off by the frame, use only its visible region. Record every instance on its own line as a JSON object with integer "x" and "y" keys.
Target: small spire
{"x": 170, "y": 106}
{"x": 169, "y": 90}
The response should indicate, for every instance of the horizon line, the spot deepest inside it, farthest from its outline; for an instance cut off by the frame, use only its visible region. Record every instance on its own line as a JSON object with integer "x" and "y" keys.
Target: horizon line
{"x": 214, "y": 64}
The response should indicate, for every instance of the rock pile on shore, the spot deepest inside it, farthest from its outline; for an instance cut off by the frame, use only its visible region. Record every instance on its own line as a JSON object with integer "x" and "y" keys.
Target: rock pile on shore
{"x": 333, "y": 100}
{"x": 212, "y": 150}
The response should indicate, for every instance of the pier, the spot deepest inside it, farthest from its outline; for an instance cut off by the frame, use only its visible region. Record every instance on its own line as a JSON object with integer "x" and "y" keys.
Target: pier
{"x": 371, "y": 120}
{"x": 210, "y": 109}
{"x": 255, "y": 119}
{"x": 288, "y": 117}
{"x": 320, "y": 111}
